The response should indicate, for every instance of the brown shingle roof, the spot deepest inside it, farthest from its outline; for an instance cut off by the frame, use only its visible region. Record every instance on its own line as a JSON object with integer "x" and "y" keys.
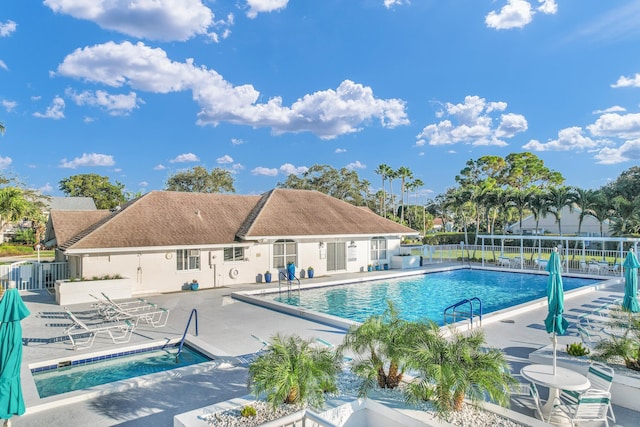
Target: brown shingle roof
{"x": 164, "y": 218}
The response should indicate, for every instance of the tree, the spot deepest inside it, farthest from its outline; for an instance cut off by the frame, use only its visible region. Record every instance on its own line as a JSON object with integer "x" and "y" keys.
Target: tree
{"x": 403, "y": 173}
{"x": 13, "y": 206}
{"x": 381, "y": 342}
{"x": 452, "y": 368}
{"x": 293, "y": 371}
{"x": 104, "y": 194}
{"x": 2, "y": 128}
{"x": 526, "y": 170}
{"x": 558, "y": 198}
{"x": 384, "y": 171}
{"x": 343, "y": 184}
{"x": 626, "y": 185}
{"x": 199, "y": 180}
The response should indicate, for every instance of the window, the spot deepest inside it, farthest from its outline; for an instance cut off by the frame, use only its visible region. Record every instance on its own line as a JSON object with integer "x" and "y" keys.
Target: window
{"x": 233, "y": 254}
{"x": 284, "y": 252}
{"x": 188, "y": 259}
{"x": 378, "y": 249}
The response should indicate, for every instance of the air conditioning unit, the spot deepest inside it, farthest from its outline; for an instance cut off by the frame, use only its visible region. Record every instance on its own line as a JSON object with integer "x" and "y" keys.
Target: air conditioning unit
{"x": 194, "y": 252}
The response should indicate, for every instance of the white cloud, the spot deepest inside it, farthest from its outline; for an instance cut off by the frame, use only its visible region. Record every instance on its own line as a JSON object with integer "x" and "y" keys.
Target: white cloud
{"x": 340, "y": 150}
{"x": 88, "y": 119}
{"x": 327, "y": 113}
{"x": 628, "y": 81}
{"x": 3, "y": 65}
{"x": 614, "y": 109}
{"x": 159, "y": 167}
{"x": 264, "y": 171}
{"x": 143, "y": 184}
{"x": 237, "y": 167}
{"x": 185, "y": 158}
{"x": 629, "y": 151}
{"x": 165, "y": 20}
{"x": 515, "y": 14}
{"x": 93, "y": 159}
{"x": 116, "y": 105}
{"x": 7, "y": 28}
{"x": 237, "y": 141}
{"x": 625, "y": 126}
{"x": 224, "y": 159}
{"x": 54, "y": 111}
{"x": 473, "y": 124}
{"x": 288, "y": 169}
{"x": 47, "y": 188}
{"x": 568, "y": 139}
{"x": 390, "y": 3}
{"x": 548, "y": 7}
{"x": 356, "y": 165}
{"x": 9, "y": 105}
{"x": 5, "y": 162}
{"x": 262, "y": 6}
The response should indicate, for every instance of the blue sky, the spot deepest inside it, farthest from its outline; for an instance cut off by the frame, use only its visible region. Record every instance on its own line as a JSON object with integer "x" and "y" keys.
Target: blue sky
{"x": 139, "y": 90}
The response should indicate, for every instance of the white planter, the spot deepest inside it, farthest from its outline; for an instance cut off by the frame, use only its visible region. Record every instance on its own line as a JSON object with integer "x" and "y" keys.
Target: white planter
{"x": 79, "y": 292}
{"x": 402, "y": 262}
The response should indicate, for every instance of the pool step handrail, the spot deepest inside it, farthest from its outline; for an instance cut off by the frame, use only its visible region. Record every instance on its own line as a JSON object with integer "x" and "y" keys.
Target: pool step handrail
{"x": 470, "y": 313}
{"x": 194, "y": 312}
{"x": 284, "y": 275}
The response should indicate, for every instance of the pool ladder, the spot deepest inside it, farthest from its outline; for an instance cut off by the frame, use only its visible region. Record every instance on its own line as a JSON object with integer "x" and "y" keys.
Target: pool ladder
{"x": 194, "y": 312}
{"x": 285, "y": 275}
{"x": 452, "y": 310}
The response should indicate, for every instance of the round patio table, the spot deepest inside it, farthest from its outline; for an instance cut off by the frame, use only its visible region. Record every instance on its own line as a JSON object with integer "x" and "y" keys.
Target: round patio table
{"x": 564, "y": 378}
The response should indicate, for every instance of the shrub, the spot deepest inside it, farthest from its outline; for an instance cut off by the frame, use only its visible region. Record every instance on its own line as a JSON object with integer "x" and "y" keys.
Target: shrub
{"x": 248, "y": 411}
{"x": 577, "y": 349}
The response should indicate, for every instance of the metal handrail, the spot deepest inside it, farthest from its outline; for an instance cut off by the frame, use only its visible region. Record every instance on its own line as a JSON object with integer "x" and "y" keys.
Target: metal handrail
{"x": 285, "y": 275}
{"x": 193, "y": 312}
{"x": 471, "y": 311}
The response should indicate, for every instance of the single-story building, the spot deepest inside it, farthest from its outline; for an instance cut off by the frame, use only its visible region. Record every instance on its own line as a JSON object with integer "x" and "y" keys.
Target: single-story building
{"x": 164, "y": 240}
{"x": 569, "y": 221}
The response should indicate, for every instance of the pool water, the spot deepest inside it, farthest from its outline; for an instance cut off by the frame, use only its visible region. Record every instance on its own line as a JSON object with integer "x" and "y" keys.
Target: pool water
{"x": 84, "y": 375}
{"x": 426, "y": 295}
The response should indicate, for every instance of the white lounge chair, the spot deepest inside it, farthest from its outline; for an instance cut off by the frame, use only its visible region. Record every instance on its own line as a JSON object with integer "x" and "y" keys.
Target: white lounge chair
{"x": 141, "y": 310}
{"x": 119, "y": 331}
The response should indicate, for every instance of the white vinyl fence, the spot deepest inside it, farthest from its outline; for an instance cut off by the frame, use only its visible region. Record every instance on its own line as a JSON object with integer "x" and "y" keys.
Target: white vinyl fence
{"x": 32, "y": 275}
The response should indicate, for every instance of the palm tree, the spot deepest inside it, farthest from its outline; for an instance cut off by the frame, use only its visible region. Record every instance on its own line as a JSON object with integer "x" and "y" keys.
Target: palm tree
{"x": 13, "y": 206}
{"x": 403, "y": 173}
{"x": 391, "y": 175}
{"x": 452, "y": 368}
{"x": 383, "y": 170}
{"x": 520, "y": 200}
{"x": 2, "y": 128}
{"x": 381, "y": 343}
{"x": 293, "y": 371}
{"x": 558, "y": 198}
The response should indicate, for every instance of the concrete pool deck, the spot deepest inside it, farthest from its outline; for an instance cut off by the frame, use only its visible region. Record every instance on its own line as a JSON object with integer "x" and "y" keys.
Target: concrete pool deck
{"x": 228, "y": 327}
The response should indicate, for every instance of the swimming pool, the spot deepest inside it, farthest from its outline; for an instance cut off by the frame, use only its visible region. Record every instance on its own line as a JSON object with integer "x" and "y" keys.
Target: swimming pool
{"x": 426, "y": 295}
{"x": 65, "y": 377}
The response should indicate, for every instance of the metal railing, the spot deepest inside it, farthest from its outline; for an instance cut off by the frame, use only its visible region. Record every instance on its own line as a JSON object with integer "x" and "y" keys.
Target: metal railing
{"x": 451, "y": 311}
{"x": 194, "y": 312}
{"x": 284, "y": 275}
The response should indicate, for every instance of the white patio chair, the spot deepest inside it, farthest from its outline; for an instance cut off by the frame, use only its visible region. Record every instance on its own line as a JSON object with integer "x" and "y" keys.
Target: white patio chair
{"x": 601, "y": 378}
{"x": 75, "y": 332}
{"x": 530, "y": 392}
{"x": 591, "y": 406}
{"x": 141, "y": 310}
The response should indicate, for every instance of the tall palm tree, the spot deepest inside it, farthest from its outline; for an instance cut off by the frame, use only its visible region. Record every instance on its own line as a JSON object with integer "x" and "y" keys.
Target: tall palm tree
{"x": 586, "y": 201}
{"x": 381, "y": 343}
{"x": 416, "y": 184}
{"x": 292, "y": 370}
{"x": 391, "y": 175}
{"x": 403, "y": 173}
{"x": 383, "y": 170}
{"x": 520, "y": 199}
{"x": 13, "y": 206}
{"x": 558, "y": 198}
{"x": 452, "y": 368}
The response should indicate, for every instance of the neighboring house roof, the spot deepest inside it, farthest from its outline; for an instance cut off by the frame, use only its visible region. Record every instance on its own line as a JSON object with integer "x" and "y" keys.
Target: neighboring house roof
{"x": 72, "y": 204}
{"x": 64, "y": 225}
{"x": 165, "y": 218}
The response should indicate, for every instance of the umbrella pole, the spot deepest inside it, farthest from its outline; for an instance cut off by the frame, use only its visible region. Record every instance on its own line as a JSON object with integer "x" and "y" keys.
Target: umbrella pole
{"x": 555, "y": 344}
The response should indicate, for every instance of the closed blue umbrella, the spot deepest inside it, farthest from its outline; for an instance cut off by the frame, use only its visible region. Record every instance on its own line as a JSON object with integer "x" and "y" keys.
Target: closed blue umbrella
{"x": 12, "y": 311}
{"x": 631, "y": 264}
{"x": 555, "y": 323}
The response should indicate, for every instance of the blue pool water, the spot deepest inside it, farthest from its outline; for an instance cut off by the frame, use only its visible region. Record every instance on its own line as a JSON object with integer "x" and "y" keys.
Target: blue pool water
{"x": 51, "y": 382}
{"x": 427, "y": 295}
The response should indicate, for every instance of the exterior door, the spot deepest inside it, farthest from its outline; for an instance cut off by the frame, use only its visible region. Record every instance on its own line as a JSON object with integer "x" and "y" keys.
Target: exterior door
{"x": 336, "y": 256}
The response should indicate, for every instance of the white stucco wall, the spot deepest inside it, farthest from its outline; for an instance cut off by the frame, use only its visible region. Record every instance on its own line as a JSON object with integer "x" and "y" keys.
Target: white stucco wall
{"x": 156, "y": 271}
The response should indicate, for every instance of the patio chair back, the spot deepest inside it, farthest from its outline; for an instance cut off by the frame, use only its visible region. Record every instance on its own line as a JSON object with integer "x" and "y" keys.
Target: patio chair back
{"x": 600, "y": 376}
{"x": 592, "y": 406}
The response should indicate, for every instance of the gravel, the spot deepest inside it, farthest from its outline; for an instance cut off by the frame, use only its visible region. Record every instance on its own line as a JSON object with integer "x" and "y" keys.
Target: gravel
{"x": 348, "y": 383}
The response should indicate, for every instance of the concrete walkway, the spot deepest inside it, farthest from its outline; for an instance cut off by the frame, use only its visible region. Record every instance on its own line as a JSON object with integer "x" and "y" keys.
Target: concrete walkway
{"x": 227, "y": 325}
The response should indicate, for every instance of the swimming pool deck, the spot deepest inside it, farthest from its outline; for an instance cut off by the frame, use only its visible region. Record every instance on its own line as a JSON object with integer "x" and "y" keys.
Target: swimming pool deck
{"x": 230, "y": 327}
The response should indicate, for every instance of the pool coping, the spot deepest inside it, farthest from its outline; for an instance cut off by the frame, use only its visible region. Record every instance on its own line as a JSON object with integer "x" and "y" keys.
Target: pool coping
{"x": 253, "y": 296}
{"x": 34, "y": 403}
